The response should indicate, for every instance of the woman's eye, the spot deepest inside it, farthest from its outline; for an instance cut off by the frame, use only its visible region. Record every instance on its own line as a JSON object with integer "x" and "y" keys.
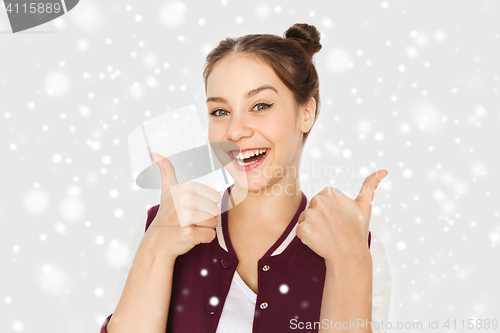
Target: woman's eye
{"x": 218, "y": 110}
{"x": 263, "y": 106}
{"x": 267, "y": 106}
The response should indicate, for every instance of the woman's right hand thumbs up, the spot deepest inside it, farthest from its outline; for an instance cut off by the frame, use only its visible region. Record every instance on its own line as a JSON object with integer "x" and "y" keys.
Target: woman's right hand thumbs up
{"x": 187, "y": 215}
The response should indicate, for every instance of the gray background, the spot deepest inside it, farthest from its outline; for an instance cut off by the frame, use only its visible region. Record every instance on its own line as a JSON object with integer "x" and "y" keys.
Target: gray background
{"x": 407, "y": 86}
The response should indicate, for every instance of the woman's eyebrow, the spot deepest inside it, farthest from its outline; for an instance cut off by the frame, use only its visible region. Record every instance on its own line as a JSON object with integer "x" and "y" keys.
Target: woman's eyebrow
{"x": 248, "y": 94}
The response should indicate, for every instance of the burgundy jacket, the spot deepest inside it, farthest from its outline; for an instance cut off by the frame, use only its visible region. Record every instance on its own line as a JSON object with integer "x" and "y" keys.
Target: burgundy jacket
{"x": 192, "y": 307}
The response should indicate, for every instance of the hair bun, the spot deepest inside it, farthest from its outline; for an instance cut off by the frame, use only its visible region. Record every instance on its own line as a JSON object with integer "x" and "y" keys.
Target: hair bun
{"x": 307, "y": 35}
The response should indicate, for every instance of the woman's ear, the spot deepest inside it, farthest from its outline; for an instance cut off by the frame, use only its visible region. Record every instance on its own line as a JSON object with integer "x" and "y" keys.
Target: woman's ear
{"x": 308, "y": 115}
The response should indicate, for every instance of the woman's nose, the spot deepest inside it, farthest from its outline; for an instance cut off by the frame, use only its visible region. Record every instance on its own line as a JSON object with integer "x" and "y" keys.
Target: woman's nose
{"x": 238, "y": 129}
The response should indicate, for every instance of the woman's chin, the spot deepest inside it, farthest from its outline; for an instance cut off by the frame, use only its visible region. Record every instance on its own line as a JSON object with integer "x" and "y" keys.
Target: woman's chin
{"x": 250, "y": 185}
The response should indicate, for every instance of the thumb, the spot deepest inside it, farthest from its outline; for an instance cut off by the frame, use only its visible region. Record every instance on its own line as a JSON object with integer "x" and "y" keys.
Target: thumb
{"x": 370, "y": 185}
{"x": 167, "y": 171}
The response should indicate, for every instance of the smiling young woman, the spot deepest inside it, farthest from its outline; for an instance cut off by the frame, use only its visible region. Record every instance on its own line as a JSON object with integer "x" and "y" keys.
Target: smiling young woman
{"x": 276, "y": 261}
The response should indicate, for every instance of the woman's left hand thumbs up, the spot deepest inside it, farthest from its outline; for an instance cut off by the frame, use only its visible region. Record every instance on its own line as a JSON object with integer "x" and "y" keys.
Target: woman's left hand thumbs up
{"x": 336, "y": 227}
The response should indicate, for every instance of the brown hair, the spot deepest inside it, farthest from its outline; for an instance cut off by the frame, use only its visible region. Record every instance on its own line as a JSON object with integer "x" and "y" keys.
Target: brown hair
{"x": 290, "y": 57}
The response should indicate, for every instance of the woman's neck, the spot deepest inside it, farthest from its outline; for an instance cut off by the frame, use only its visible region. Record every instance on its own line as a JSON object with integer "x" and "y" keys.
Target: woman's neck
{"x": 275, "y": 203}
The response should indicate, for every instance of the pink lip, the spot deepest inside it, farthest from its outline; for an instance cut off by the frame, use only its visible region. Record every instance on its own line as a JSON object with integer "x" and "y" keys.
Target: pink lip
{"x": 251, "y": 166}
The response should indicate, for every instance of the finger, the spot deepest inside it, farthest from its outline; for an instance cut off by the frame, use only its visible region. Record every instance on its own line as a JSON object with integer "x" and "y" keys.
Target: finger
{"x": 204, "y": 205}
{"x": 194, "y": 216}
{"x": 367, "y": 192}
{"x": 206, "y": 192}
{"x": 333, "y": 191}
{"x": 302, "y": 217}
{"x": 312, "y": 203}
{"x": 326, "y": 191}
{"x": 208, "y": 223}
{"x": 204, "y": 235}
{"x": 167, "y": 171}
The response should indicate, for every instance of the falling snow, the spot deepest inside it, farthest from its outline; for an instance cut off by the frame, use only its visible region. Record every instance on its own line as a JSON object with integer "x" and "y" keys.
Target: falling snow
{"x": 420, "y": 101}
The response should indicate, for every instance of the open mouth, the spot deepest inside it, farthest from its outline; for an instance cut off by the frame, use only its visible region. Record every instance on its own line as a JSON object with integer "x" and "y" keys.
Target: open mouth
{"x": 247, "y": 157}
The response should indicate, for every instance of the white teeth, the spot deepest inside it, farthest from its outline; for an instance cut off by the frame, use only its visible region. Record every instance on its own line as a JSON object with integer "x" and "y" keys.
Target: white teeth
{"x": 249, "y": 153}
{"x": 240, "y": 163}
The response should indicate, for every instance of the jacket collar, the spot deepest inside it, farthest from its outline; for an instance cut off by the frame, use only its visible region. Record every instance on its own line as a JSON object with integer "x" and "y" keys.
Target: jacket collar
{"x": 287, "y": 238}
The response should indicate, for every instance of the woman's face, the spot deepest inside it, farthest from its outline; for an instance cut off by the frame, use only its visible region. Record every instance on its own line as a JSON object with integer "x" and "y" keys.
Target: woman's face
{"x": 241, "y": 117}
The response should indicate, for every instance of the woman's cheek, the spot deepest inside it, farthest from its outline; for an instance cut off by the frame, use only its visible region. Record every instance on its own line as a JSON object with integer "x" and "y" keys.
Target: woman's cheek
{"x": 271, "y": 128}
{"x": 215, "y": 132}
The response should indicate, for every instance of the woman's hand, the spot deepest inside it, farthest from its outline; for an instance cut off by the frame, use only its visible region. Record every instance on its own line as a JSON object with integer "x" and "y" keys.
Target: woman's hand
{"x": 336, "y": 227}
{"x": 186, "y": 216}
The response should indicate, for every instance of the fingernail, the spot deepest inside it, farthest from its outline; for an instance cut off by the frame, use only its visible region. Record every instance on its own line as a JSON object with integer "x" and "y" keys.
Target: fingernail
{"x": 154, "y": 157}
{"x": 380, "y": 177}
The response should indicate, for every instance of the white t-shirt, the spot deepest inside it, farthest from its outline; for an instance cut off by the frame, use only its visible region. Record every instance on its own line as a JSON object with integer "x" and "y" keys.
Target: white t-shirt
{"x": 237, "y": 313}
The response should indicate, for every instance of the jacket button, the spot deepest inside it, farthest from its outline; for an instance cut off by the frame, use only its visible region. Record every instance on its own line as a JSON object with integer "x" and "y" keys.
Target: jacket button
{"x": 225, "y": 263}
{"x": 266, "y": 268}
{"x": 211, "y": 309}
{"x": 263, "y": 305}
